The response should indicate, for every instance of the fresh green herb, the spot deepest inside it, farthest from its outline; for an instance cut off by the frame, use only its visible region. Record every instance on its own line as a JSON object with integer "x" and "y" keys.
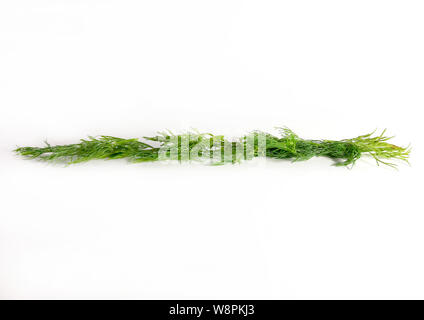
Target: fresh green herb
{"x": 191, "y": 146}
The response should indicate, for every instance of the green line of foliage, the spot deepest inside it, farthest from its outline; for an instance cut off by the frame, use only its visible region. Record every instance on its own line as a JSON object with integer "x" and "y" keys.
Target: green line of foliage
{"x": 287, "y": 145}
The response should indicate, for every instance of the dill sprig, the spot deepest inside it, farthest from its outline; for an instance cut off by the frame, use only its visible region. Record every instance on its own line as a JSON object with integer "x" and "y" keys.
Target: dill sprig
{"x": 104, "y": 147}
{"x": 190, "y": 145}
{"x": 345, "y": 152}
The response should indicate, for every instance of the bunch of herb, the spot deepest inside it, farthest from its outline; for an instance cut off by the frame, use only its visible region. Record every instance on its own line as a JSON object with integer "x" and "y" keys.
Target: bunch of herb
{"x": 287, "y": 145}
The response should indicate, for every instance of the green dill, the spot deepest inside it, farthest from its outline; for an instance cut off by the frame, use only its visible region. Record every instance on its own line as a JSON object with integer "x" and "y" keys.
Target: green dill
{"x": 192, "y": 145}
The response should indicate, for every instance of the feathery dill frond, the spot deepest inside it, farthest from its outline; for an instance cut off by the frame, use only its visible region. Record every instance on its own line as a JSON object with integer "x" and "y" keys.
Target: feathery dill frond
{"x": 105, "y": 147}
{"x": 195, "y": 145}
{"x": 380, "y": 149}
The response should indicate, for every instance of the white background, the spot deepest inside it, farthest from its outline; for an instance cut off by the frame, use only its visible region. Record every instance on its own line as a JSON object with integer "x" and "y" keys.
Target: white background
{"x": 109, "y": 229}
